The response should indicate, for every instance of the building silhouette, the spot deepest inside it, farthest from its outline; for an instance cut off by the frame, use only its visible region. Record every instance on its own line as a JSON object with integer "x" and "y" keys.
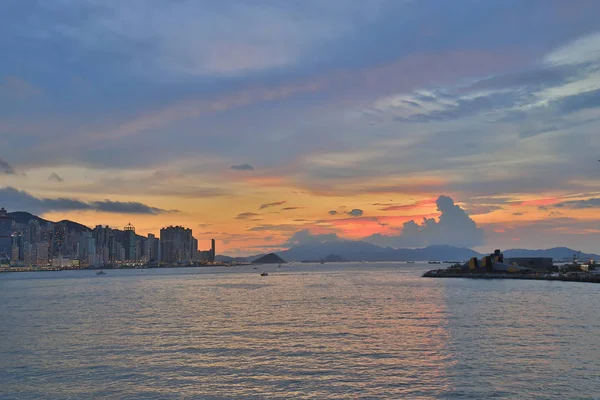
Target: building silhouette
{"x": 6, "y": 231}
{"x": 130, "y": 243}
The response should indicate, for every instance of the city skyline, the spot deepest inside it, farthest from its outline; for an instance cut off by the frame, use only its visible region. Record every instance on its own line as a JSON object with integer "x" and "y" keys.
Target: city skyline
{"x": 274, "y": 124}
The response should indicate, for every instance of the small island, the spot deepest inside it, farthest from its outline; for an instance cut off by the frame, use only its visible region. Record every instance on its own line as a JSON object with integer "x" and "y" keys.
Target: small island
{"x": 495, "y": 266}
{"x": 270, "y": 258}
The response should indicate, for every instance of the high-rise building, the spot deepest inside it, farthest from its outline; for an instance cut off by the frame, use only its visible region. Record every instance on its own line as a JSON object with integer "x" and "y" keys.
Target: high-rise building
{"x": 6, "y": 231}
{"x": 129, "y": 243}
{"x": 34, "y": 231}
{"x": 151, "y": 246}
{"x": 41, "y": 253}
{"x": 176, "y": 244}
{"x": 59, "y": 239}
{"x": 18, "y": 247}
{"x": 87, "y": 250}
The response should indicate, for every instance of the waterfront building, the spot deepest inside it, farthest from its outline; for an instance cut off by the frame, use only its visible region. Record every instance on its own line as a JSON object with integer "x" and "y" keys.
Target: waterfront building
{"x": 151, "y": 246}
{"x": 129, "y": 243}
{"x": 176, "y": 244}
{"x": 41, "y": 254}
{"x": 6, "y": 231}
{"x": 34, "y": 231}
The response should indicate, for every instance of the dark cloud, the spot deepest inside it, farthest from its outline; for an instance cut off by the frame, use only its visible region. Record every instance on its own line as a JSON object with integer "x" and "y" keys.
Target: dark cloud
{"x": 517, "y": 213}
{"x": 267, "y": 205}
{"x": 243, "y": 167}
{"x": 356, "y": 212}
{"x": 304, "y": 237}
{"x": 291, "y": 208}
{"x": 6, "y": 168}
{"x": 580, "y": 204}
{"x": 55, "y": 177}
{"x": 17, "y": 200}
{"x": 454, "y": 228}
{"x": 333, "y": 212}
{"x": 246, "y": 215}
{"x": 130, "y": 207}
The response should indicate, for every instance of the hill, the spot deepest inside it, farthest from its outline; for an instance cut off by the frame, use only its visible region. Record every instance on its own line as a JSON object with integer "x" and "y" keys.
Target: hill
{"x": 359, "y": 251}
{"x": 557, "y": 253}
{"x": 270, "y": 258}
{"x": 22, "y": 217}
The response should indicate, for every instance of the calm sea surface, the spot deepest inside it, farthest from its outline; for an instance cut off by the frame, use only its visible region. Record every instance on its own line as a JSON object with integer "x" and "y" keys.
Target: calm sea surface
{"x": 331, "y": 331}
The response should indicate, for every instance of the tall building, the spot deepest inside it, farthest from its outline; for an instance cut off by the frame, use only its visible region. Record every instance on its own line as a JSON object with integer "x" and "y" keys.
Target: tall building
{"x": 59, "y": 239}
{"x": 6, "y": 230}
{"x": 151, "y": 246}
{"x": 34, "y": 231}
{"x": 129, "y": 243}
{"x": 41, "y": 253}
{"x": 212, "y": 250}
{"x": 87, "y": 250}
{"x": 176, "y": 243}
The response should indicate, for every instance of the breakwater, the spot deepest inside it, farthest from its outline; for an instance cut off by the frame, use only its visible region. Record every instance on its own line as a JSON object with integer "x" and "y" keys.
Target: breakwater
{"x": 579, "y": 277}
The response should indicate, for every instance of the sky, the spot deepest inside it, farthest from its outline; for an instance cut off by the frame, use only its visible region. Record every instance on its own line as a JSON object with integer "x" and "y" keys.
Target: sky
{"x": 273, "y": 123}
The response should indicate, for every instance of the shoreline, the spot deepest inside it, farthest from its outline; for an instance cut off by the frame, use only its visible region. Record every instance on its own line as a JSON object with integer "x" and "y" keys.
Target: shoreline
{"x": 589, "y": 278}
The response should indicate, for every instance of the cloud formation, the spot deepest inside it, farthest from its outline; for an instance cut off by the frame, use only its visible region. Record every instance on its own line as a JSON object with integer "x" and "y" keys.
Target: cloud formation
{"x": 246, "y": 215}
{"x": 356, "y": 212}
{"x": 17, "y": 200}
{"x": 55, "y": 177}
{"x": 268, "y": 205}
{"x": 6, "y": 168}
{"x": 580, "y": 204}
{"x": 243, "y": 167}
{"x": 454, "y": 227}
{"x": 305, "y": 237}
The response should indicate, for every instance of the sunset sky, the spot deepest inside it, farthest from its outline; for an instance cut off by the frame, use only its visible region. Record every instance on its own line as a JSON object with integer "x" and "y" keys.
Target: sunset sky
{"x": 265, "y": 124}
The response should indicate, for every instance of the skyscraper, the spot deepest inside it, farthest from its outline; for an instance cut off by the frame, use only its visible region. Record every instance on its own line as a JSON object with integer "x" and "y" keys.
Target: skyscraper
{"x": 129, "y": 243}
{"x": 176, "y": 244}
{"x": 6, "y": 230}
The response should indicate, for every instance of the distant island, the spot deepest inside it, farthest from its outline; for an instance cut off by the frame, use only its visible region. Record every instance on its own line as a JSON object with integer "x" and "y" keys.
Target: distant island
{"x": 270, "y": 258}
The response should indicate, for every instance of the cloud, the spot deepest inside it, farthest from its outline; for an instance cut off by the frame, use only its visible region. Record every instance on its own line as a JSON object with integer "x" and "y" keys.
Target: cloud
{"x": 454, "y": 227}
{"x": 267, "y": 205}
{"x": 356, "y": 212}
{"x": 580, "y": 204}
{"x": 305, "y": 237}
{"x": 55, "y": 177}
{"x": 332, "y": 212}
{"x": 243, "y": 167}
{"x": 291, "y": 208}
{"x": 6, "y": 168}
{"x": 17, "y": 200}
{"x": 130, "y": 207}
{"x": 246, "y": 215}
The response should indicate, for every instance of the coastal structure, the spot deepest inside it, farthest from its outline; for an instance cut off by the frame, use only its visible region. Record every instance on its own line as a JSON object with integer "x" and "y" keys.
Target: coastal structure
{"x": 495, "y": 266}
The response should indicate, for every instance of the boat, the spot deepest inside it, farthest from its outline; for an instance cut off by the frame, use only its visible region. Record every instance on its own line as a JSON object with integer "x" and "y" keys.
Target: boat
{"x": 100, "y": 273}
{"x": 264, "y": 274}
{"x": 435, "y": 262}
{"x": 410, "y": 262}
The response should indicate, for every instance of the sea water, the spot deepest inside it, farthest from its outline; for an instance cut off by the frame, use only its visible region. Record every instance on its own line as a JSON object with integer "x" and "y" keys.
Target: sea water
{"x": 331, "y": 331}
